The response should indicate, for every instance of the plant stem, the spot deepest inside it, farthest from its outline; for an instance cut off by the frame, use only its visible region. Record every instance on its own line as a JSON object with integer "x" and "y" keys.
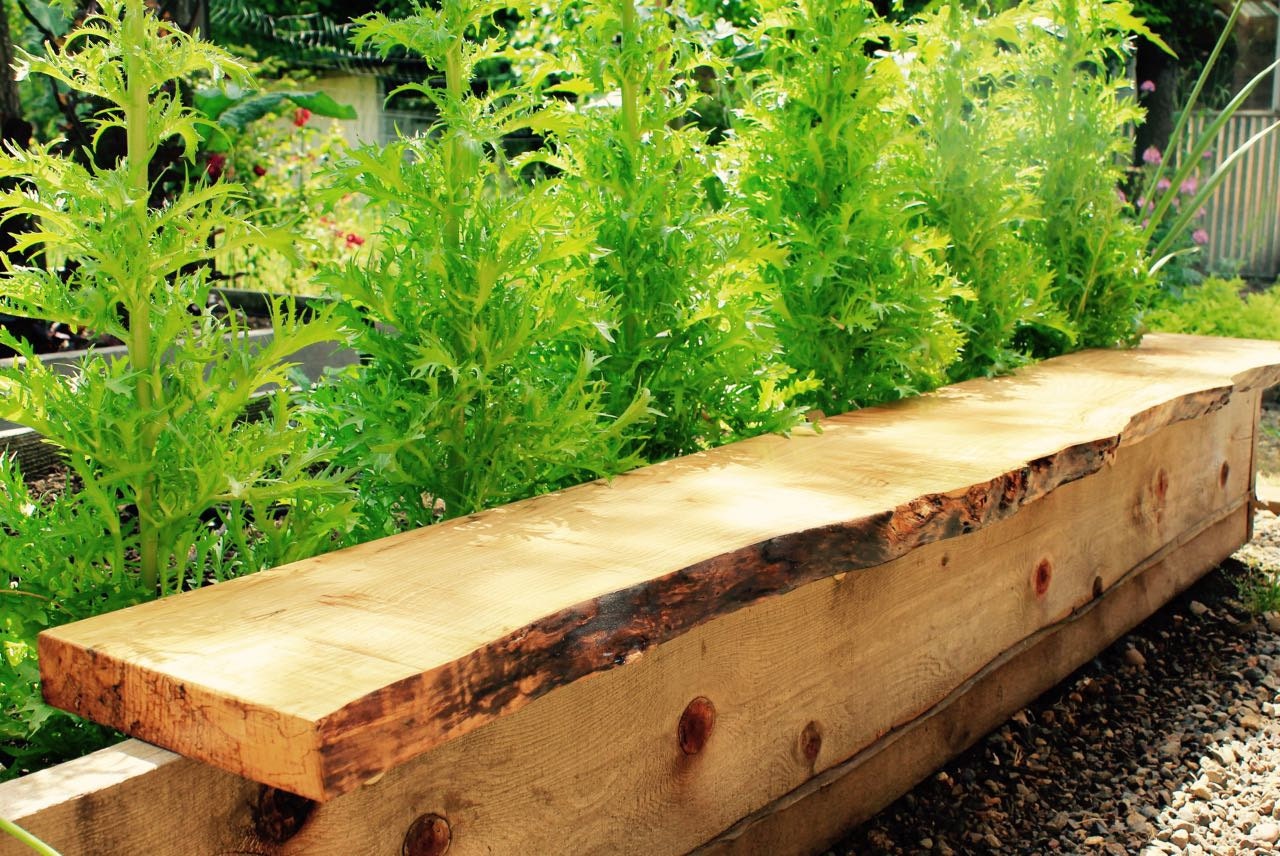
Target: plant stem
{"x": 630, "y": 89}
{"x": 454, "y": 150}
{"x": 24, "y": 837}
{"x": 141, "y": 358}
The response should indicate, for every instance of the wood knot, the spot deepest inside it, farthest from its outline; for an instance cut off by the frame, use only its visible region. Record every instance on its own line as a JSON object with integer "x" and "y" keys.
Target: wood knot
{"x": 1161, "y": 485}
{"x": 429, "y": 835}
{"x": 1224, "y": 473}
{"x": 696, "y": 722}
{"x": 1042, "y": 576}
{"x": 278, "y": 815}
{"x": 811, "y": 741}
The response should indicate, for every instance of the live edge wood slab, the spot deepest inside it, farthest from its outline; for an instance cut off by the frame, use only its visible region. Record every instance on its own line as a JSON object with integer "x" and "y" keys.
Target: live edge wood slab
{"x": 753, "y": 620}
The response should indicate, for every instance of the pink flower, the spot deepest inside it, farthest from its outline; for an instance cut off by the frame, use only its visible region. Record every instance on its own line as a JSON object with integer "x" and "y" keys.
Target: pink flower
{"x": 259, "y": 170}
{"x": 1208, "y": 154}
{"x": 1190, "y": 186}
{"x": 1148, "y": 86}
{"x": 1151, "y": 155}
{"x": 1141, "y": 203}
{"x": 354, "y": 240}
{"x": 1163, "y": 184}
{"x": 1200, "y": 237}
{"x": 301, "y": 116}
{"x": 1124, "y": 200}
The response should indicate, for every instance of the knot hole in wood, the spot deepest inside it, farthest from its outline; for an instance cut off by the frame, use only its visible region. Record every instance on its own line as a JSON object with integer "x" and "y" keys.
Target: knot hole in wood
{"x": 811, "y": 741}
{"x": 429, "y": 835}
{"x": 1042, "y": 577}
{"x": 695, "y": 726}
{"x": 278, "y": 815}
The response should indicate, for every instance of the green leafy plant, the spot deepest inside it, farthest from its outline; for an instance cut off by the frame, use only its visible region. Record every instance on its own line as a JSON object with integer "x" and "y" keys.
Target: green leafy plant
{"x": 1258, "y": 586}
{"x": 1070, "y": 64}
{"x": 863, "y": 297}
{"x": 474, "y": 309}
{"x": 171, "y": 486}
{"x": 957, "y": 69}
{"x": 679, "y": 263}
{"x": 1219, "y": 307}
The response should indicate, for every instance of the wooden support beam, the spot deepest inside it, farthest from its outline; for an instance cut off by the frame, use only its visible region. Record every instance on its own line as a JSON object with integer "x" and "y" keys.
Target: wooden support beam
{"x": 328, "y": 673}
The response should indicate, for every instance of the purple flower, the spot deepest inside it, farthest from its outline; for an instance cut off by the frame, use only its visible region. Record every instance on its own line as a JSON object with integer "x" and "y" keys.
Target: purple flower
{"x": 1124, "y": 200}
{"x": 1151, "y": 155}
{"x": 1190, "y": 186}
{"x": 1163, "y": 184}
{"x": 1141, "y": 203}
{"x": 1145, "y": 223}
{"x": 1148, "y": 86}
{"x": 1200, "y": 237}
{"x": 1208, "y": 154}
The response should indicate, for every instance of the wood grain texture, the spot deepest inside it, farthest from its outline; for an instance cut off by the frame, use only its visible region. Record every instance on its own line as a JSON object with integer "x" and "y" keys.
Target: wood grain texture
{"x": 801, "y": 685}
{"x": 318, "y": 676}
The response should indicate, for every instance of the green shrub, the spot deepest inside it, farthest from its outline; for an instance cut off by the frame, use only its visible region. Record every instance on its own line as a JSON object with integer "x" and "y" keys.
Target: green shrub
{"x": 1069, "y": 70}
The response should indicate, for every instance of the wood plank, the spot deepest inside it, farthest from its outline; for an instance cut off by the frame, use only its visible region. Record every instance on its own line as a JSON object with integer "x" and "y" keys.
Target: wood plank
{"x": 323, "y": 674}
{"x": 817, "y": 814}
{"x": 800, "y": 683}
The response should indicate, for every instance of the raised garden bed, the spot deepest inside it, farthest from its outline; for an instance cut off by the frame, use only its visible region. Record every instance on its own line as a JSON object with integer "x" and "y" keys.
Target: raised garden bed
{"x": 745, "y": 650}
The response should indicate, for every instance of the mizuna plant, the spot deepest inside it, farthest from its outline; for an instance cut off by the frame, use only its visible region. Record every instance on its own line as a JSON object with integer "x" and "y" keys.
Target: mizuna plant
{"x": 679, "y": 264}
{"x": 973, "y": 187}
{"x": 863, "y": 298}
{"x": 1067, "y": 66}
{"x": 169, "y": 486}
{"x": 475, "y": 309}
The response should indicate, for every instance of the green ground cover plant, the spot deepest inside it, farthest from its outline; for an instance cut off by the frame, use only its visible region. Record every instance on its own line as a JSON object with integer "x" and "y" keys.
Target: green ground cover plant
{"x": 1220, "y": 307}
{"x": 169, "y": 487}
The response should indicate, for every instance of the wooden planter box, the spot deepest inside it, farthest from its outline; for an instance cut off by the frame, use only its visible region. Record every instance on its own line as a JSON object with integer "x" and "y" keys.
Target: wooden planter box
{"x": 746, "y": 650}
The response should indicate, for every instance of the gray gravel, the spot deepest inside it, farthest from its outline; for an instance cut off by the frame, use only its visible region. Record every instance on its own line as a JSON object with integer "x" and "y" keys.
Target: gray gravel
{"x": 1166, "y": 743}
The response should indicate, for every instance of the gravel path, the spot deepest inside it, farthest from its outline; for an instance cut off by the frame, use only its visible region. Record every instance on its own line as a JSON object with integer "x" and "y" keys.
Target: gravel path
{"x": 1167, "y": 743}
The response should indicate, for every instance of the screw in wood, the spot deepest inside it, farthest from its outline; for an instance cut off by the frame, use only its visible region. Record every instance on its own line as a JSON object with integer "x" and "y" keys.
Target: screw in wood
{"x": 429, "y": 835}
{"x": 1042, "y": 577}
{"x": 696, "y": 722}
